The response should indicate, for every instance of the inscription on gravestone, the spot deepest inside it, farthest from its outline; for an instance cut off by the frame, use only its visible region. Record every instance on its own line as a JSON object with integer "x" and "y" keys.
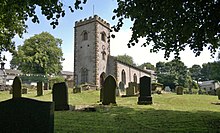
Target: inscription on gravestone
{"x": 145, "y": 91}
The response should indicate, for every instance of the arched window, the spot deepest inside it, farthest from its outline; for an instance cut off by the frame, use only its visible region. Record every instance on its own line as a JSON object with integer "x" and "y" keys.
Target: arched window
{"x": 103, "y": 36}
{"x": 123, "y": 76}
{"x": 85, "y": 35}
{"x": 84, "y": 75}
{"x": 135, "y": 78}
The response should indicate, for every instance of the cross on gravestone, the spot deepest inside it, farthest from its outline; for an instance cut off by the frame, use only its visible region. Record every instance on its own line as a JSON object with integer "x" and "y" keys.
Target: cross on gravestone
{"x": 60, "y": 96}
{"x": 109, "y": 91}
{"x": 145, "y": 91}
{"x": 24, "y": 115}
{"x": 39, "y": 88}
{"x": 16, "y": 88}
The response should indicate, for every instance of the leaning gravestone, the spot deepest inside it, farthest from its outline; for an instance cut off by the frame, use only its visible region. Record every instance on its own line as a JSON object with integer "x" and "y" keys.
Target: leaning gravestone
{"x": 39, "y": 88}
{"x": 60, "y": 96}
{"x": 109, "y": 91}
{"x": 16, "y": 88}
{"x": 145, "y": 91}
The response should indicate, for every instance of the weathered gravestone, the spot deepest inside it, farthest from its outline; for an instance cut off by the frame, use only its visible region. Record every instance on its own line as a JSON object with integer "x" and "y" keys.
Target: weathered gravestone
{"x": 145, "y": 91}
{"x": 16, "y": 88}
{"x": 130, "y": 91}
{"x": 122, "y": 86}
{"x": 179, "y": 90}
{"x": 77, "y": 89}
{"x": 23, "y": 115}
{"x": 24, "y": 90}
{"x": 109, "y": 91}
{"x": 39, "y": 88}
{"x": 60, "y": 96}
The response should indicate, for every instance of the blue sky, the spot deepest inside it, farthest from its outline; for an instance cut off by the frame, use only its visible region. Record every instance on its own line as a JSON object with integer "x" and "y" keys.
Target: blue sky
{"x": 104, "y": 9}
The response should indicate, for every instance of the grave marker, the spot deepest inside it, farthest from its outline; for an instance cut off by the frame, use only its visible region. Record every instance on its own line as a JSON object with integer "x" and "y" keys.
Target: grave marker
{"x": 39, "y": 88}
{"x": 24, "y": 115}
{"x": 60, "y": 96}
{"x": 109, "y": 91}
{"x": 16, "y": 88}
{"x": 145, "y": 91}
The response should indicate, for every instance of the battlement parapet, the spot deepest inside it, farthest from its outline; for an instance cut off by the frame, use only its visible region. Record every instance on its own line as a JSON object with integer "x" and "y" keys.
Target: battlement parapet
{"x": 90, "y": 20}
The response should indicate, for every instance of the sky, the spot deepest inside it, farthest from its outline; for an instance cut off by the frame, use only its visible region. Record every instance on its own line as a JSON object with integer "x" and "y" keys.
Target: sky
{"x": 104, "y": 9}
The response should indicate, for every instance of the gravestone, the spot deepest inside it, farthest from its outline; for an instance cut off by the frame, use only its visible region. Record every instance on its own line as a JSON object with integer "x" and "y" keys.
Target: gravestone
{"x": 24, "y": 90}
{"x": 16, "y": 88}
{"x": 60, "y": 96}
{"x": 24, "y": 115}
{"x": 218, "y": 93}
{"x": 121, "y": 86}
{"x": 145, "y": 91}
{"x": 39, "y": 88}
{"x": 77, "y": 89}
{"x": 46, "y": 86}
{"x": 109, "y": 91}
{"x": 130, "y": 91}
{"x": 167, "y": 89}
{"x": 179, "y": 90}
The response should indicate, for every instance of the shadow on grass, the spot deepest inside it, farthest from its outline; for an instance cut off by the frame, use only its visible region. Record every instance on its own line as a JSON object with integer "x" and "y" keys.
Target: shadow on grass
{"x": 125, "y": 119}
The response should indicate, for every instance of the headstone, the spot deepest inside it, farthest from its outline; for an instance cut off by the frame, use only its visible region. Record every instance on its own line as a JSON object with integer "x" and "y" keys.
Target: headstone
{"x": 218, "y": 93}
{"x": 24, "y": 90}
{"x": 46, "y": 86}
{"x": 145, "y": 91}
{"x": 179, "y": 90}
{"x": 23, "y": 115}
{"x": 39, "y": 88}
{"x": 60, "y": 96}
{"x": 77, "y": 89}
{"x": 121, "y": 86}
{"x": 167, "y": 89}
{"x": 16, "y": 87}
{"x": 109, "y": 91}
{"x": 130, "y": 91}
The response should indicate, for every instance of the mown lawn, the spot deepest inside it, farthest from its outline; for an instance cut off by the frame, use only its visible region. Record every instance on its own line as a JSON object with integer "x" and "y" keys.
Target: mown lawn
{"x": 168, "y": 113}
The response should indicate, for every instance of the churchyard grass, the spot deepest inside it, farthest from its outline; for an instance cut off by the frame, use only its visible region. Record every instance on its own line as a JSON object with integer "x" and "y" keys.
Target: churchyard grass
{"x": 168, "y": 113}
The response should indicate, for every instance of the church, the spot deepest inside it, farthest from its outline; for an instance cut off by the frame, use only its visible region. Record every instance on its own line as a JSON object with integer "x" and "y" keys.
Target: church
{"x": 92, "y": 59}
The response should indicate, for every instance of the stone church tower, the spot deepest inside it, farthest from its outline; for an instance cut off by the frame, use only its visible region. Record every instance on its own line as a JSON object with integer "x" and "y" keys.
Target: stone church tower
{"x": 91, "y": 50}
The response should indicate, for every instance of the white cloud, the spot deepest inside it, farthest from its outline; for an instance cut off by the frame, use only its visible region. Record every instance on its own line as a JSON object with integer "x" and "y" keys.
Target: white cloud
{"x": 68, "y": 62}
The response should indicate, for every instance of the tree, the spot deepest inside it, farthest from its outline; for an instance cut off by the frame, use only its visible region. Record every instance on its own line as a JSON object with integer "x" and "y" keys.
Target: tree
{"x": 172, "y": 73}
{"x": 126, "y": 59}
{"x": 210, "y": 71}
{"x": 14, "y": 13}
{"x": 147, "y": 65}
{"x": 40, "y": 54}
{"x": 195, "y": 72}
{"x": 172, "y": 24}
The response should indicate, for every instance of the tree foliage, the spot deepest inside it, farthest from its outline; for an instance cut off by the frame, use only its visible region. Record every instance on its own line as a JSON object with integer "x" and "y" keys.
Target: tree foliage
{"x": 126, "y": 59}
{"x": 40, "y": 54}
{"x": 172, "y": 24}
{"x": 147, "y": 65}
{"x": 14, "y": 13}
{"x": 172, "y": 73}
{"x": 195, "y": 72}
{"x": 211, "y": 71}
